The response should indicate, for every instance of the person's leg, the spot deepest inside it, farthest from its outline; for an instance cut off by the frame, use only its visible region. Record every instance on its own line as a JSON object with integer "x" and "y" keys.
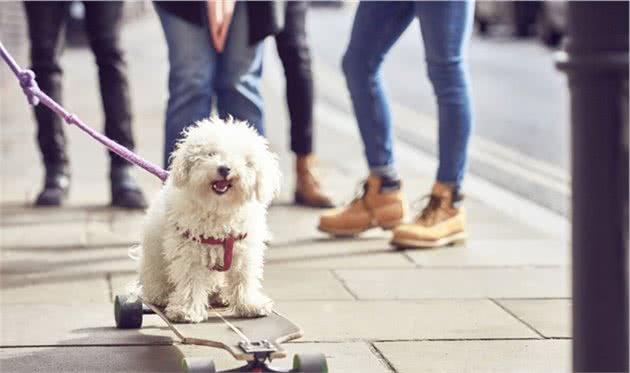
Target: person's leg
{"x": 46, "y": 21}
{"x": 190, "y": 56}
{"x": 376, "y": 28}
{"x": 446, "y": 27}
{"x": 103, "y": 21}
{"x": 295, "y": 54}
{"x": 238, "y": 72}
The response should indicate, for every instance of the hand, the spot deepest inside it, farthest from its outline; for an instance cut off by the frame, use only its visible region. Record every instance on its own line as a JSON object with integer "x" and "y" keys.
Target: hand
{"x": 220, "y": 14}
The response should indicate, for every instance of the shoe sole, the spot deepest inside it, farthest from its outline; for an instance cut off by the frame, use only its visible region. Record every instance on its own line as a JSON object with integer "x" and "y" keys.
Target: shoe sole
{"x": 344, "y": 232}
{"x": 423, "y": 244}
{"x": 354, "y": 232}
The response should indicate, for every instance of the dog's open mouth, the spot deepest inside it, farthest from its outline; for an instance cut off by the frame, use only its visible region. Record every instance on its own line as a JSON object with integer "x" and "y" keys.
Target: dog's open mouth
{"x": 221, "y": 186}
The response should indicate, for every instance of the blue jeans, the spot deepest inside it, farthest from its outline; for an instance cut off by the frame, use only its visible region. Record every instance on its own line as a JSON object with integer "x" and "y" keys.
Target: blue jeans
{"x": 446, "y": 26}
{"x": 198, "y": 74}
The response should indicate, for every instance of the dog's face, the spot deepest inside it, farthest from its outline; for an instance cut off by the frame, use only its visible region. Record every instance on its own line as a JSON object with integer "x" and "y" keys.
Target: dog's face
{"x": 226, "y": 162}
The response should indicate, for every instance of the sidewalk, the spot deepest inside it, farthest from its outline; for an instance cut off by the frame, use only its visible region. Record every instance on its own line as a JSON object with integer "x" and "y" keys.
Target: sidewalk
{"x": 499, "y": 303}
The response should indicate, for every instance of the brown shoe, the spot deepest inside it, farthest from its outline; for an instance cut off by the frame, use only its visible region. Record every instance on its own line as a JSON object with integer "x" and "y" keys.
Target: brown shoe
{"x": 308, "y": 191}
{"x": 440, "y": 223}
{"x": 375, "y": 207}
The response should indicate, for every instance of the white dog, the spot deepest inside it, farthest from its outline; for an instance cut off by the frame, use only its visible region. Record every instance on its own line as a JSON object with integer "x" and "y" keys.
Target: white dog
{"x": 222, "y": 179}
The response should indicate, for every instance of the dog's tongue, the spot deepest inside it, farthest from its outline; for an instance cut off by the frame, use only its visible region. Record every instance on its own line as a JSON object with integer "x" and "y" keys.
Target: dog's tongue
{"x": 221, "y": 184}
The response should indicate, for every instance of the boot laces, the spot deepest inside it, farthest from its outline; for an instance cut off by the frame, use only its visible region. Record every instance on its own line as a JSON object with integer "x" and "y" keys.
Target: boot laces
{"x": 359, "y": 191}
{"x": 429, "y": 210}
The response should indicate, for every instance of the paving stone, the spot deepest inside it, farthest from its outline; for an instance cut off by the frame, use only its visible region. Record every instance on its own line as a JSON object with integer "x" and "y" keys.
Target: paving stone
{"x": 389, "y": 320}
{"x": 282, "y": 284}
{"x": 119, "y": 218}
{"x": 89, "y": 189}
{"x": 303, "y": 227}
{"x": 50, "y": 235}
{"x": 93, "y": 324}
{"x": 495, "y": 253}
{"x": 303, "y": 284}
{"x": 130, "y": 359}
{"x": 14, "y": 194}
{"x": 303, "y": 222}
{"x": 550, "y": 317}
{"x": 525, "y": 356}
{"x": 25, "y": 215}
{"x": 478, "y": 211}
{"x": 16, "y": 162}
{"x": 68, "y": 226}
{"x": 127, "y": 223}
{"x": 22, "y": 214}
{"x": 102, "y": 234}
{"x": 73, "y": 324}
{"x": 43, "y": 261}
{"x": 341, "y": 357}
{"x": 457, "y": 283}
{"x": 502, "y": 229}
{"x": 69, "y": 289}
{"x": 60, "y": 272}
{"x": 316, "y": 252}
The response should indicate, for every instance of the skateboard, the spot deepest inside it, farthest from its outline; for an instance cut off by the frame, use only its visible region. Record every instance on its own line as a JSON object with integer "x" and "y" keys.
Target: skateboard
{"x": 256, "y": 341}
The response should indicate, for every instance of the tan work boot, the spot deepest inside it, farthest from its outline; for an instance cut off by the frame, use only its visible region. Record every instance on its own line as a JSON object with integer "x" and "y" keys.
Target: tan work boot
{"x": 308, "y": 191}
{"x": 440, "y": 223}
{"x": 375, "y": 207}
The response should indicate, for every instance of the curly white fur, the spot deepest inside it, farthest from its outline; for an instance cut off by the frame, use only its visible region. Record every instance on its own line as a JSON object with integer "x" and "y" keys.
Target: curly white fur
{"x": 175, "y": 271}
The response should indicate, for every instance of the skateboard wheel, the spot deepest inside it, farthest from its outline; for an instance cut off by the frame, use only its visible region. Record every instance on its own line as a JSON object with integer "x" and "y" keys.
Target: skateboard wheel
{"x": 307, "y": 363}
{"x": 198, "y": 365}
{"x": 128, "y": 314}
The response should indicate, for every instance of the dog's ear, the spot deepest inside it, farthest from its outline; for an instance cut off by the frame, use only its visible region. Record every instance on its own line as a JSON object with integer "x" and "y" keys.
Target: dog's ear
{"x": 180, "y": 165}
{"x": 268, "y": 177}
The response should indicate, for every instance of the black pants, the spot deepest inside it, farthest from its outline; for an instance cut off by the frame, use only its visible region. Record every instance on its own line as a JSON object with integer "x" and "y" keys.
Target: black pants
{"x": 46, "y": 26}
{"x": 295, "y": 55}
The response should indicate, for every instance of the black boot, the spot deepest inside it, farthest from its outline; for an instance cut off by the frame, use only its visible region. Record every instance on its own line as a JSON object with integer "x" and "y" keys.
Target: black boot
{"x": 56, "y": 187}
{"x": 125, "y": 191}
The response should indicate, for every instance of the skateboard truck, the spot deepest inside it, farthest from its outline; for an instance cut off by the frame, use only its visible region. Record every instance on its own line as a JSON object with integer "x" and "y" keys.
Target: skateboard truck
{"x": 257, "y": 347}
{"x": 261, "y": 349}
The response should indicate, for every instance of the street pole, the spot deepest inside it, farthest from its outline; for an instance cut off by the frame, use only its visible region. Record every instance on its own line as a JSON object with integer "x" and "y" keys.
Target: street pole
{"x": 596, "y": 62}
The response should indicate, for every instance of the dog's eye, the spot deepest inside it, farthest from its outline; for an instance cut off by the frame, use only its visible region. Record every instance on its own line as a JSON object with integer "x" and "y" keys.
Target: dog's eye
{"x": 249, "y": 163}
{"x": 212, "y": 154}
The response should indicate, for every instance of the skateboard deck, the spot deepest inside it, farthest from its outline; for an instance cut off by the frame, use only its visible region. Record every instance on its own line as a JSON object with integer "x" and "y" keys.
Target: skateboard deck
{"x": 254, "y": 340}
{"x": 243, "y": 338}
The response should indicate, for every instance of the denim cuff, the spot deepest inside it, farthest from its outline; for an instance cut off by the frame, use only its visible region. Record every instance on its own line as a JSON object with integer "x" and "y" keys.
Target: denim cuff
{"x": 386, "y": 171}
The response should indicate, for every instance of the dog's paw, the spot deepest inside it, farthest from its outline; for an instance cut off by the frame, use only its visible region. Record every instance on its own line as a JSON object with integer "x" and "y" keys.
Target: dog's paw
{"x": 186, "y": 314}
{"x": 259, "y": 305}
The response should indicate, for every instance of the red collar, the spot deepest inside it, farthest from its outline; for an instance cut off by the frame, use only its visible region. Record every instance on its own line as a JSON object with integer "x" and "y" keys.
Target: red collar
{"x": 228, "y": 247}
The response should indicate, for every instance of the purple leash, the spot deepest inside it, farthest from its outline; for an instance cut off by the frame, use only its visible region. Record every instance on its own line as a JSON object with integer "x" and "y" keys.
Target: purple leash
{"x": 35, "y": 96}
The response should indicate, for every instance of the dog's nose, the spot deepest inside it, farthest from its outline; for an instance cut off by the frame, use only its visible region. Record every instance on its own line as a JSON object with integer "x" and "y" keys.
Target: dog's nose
{"x": 224, "y": 171}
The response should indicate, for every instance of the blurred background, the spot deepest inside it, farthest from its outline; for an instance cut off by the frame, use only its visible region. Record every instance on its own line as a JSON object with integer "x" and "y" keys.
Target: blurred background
{"x": 521, "y": 135}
